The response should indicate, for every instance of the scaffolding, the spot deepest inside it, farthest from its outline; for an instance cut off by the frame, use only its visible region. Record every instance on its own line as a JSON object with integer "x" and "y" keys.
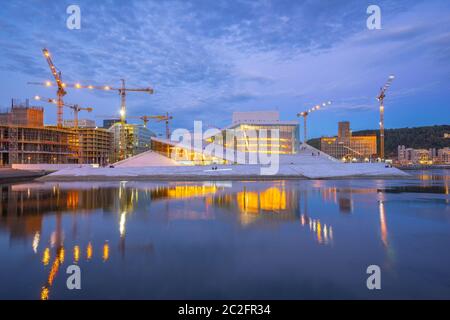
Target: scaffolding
{"x": 25, "y": 140}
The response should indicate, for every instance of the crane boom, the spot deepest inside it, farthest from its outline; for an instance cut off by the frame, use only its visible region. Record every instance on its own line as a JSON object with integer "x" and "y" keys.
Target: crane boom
{"x": 305, "y": 114}
{"x": 380, "y": 98}
{"x": 61, "y": 92}
{"x": 75, "y": 107}
{"x": 121, "y": 90}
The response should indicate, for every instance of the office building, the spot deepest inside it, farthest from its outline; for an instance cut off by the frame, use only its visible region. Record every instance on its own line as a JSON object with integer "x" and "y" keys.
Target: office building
{"x": 129, "y": 140}
{"x": 348, "y": 147}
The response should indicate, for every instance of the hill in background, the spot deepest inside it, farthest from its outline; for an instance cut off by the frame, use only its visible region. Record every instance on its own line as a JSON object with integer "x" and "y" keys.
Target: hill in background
{"x": 417, "y": 138}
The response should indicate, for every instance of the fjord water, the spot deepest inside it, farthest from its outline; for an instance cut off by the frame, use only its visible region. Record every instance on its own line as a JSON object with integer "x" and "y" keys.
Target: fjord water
{"x": 227, "y": 240}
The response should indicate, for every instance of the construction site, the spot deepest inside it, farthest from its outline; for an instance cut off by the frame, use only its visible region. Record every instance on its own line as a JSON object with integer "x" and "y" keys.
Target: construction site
{"x": 24, "y": 139}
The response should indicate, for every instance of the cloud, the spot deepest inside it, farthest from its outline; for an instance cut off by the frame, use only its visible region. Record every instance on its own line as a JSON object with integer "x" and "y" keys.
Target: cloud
{"x": 208, "y": 58}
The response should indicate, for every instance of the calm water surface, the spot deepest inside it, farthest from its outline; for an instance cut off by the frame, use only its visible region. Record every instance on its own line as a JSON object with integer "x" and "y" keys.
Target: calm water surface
{"x": 227, "y": 240}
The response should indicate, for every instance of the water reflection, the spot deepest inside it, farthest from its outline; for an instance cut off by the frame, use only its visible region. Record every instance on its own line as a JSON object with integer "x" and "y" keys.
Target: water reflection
{"x": 95, "y": 224}
{"x": 24, "y": 206}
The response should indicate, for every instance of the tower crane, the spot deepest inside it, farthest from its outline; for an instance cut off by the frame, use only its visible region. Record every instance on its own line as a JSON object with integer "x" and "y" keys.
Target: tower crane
{"x": 146, "y": 119}
{"x": 122, "y": 90}
{"x": 61, "y": 92}
{"x": 165, "y": 118}
{"x": 380, "y": 98}
{"x": 75, "y": 107}
{"x": 305, "y": 114}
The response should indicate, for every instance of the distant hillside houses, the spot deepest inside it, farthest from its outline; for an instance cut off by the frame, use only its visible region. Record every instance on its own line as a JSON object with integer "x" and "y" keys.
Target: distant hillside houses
{"x": 410, "y": 156}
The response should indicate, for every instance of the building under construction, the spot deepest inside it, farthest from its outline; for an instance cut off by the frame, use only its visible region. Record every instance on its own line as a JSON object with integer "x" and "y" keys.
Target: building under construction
{"x": 25, "y": 140}
{"x": 95, "y": 145}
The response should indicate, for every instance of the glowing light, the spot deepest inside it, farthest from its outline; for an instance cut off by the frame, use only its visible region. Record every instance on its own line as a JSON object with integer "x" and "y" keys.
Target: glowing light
{"x": 61, "y": 255}
{"x": 44, "y": 293}
{"x": 319, "y": 232}
{"x": 90, "y": 87}
{"x": 76, "y": 253}
{"x": 53, "y": 272}
{"x": 107, "y": 88}
{"x": 105, "y": 252}
{"x": 48, "y": 83}
{"x": 89, "y": 251}
{"x": 36, "y": 241}
{"x": 122, "y": 222}
{"x": 37, "y": 98}
{"x": 46, "y": 256}
{"x": 77, "y": 85}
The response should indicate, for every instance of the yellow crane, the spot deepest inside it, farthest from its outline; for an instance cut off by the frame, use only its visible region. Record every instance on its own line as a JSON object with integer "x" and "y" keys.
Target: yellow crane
{"x": 380, "y": 98}
{"x": 159, "y": 118}
{"x": 121, "y": 90}
{"x": 305, "y": 114}
{"x": 166, "y": 118}
{"x": 75, "y": 107}
{"x": 61, "y": 92}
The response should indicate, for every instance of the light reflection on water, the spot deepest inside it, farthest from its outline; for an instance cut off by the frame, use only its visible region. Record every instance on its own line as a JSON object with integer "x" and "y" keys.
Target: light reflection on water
{"x": 282, "y": 239}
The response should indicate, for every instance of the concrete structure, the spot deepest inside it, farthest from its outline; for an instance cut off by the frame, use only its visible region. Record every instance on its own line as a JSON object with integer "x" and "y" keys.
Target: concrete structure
{"x": 82, "y": 123}
{"x": 25, "y": 140}
{"x": 344, "y": 133}
{"x": 129, "y": 140}
{"x": 20, "y": 144}
{"x": 348, "y": 147}
{"x": 95, "y": 146}
{"x": 22, "y": 114}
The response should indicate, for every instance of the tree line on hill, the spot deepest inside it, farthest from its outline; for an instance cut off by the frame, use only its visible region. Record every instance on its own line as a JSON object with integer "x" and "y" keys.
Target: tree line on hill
{"x": 416, "y": 138}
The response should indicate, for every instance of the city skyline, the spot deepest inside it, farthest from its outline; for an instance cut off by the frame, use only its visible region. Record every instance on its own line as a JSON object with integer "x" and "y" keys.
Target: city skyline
{"x": 210, "y": 59}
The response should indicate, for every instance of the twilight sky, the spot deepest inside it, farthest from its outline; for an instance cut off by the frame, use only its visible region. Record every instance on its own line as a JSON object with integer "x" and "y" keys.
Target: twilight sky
{"x": 206, "y": 59}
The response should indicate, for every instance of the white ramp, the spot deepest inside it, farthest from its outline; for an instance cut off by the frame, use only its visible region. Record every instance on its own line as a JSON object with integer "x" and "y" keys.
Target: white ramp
{"x": 146, "y": 159}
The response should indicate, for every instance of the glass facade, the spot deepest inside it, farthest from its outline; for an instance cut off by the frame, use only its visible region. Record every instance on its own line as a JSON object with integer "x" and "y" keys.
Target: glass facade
{"x": 129, "y": 140}
{"x": 265, "y": 138}
{"x": 359, "y": 147}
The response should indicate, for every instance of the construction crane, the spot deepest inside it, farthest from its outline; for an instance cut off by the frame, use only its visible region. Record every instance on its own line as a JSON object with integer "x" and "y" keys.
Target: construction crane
{"x": 75, "y": 107}
{"x": 146, "y": 119}
{"x": 122, "y": 92}
{"x": 61, "y": 92}
{"x": 380, "y": 98}
{"x": 165, "y": 118}
{"x": 305, "y": 114}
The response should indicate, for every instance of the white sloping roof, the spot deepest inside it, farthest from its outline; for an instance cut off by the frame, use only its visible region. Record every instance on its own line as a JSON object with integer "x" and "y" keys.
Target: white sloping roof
{"x": 146, "y": 159}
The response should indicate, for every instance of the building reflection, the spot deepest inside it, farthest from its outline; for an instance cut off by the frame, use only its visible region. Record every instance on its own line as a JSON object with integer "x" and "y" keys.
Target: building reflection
{"x": 384, "y": 233}
{"x": 25, "y": 207}
{"x": 343, "y": 197}
{"x": 58, "y": 260}
{"x": 383, "y": 225}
